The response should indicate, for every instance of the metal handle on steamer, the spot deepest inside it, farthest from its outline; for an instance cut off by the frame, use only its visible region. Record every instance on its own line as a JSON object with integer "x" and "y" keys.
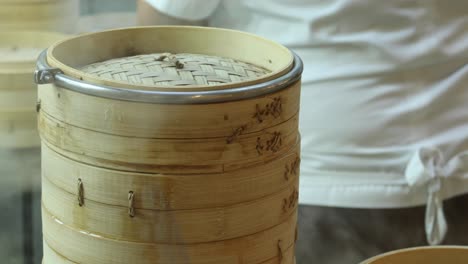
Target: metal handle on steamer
{"x": 45, "y": 74}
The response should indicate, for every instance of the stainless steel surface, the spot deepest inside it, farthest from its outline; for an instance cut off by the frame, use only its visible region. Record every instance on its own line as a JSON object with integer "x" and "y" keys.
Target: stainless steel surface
{"x": 45, "y": 76}
{"x": 175, "y": 97}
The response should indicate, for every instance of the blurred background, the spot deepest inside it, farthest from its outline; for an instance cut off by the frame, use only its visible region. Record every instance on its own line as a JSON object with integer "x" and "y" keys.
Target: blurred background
{"x": 89, "y": 7}
{"x": 327, "y": 235}
{"x": 20, "y": 192}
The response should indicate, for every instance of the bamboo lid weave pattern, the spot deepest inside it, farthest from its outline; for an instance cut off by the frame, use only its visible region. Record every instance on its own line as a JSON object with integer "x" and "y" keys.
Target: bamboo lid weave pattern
{"x": 182, "y": 69}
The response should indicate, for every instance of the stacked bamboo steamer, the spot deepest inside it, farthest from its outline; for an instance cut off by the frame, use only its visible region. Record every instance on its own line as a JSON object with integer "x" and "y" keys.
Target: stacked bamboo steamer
{"x": 26, "y": 28}
{"x": 40, "y": 15}
{"x": 18, "y": 52}
{"x": 169, "y": 145}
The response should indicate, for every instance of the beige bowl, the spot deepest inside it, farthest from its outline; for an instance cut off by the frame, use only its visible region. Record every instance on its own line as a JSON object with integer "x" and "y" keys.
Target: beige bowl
{"x": 423, "y": 255}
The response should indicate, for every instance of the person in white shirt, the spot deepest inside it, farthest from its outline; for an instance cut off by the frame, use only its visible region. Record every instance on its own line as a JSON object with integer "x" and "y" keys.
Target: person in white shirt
{"x": 384, "y": 113}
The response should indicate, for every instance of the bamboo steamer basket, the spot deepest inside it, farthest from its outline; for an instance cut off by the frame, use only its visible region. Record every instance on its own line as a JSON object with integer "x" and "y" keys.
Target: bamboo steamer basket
{"x": 268, "y": 246}
{"x": 181, "y": 143}
{"x": 18, "y": 94}
{"x": 172, "y": 226}
{"x": 52, "y": 256}
{"x": 172, "y": 191}
{"x": 424, "y": 255}
{"x": 248, "y": 125}
{"x": 42, "y": 15}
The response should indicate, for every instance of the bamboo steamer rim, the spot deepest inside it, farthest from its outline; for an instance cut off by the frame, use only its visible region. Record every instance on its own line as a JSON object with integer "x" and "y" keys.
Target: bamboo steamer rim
{"x": 25, "y": 39}
{"x": 423, "y": 255}
{"x": 182, "y": 39}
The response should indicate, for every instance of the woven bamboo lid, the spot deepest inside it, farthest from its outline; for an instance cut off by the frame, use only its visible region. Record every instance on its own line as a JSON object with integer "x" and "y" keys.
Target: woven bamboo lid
{"x": 166, "y": 69}
{"x": 197, "y": 59}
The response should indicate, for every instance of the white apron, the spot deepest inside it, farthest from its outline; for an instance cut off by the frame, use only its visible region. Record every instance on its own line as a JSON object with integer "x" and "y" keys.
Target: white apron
{"x": 384, "y": 106}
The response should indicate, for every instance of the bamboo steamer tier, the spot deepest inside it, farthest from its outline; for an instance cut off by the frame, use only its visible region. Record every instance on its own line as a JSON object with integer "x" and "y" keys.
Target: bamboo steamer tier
{"x": 116, "y": 122}
{"x": 211, "y": 120}
{"x": 180, "y": 144}
{"x": 18, "y": 94}
{"x": 212, "y": 155}
{"x": 79, "y": 246}
{"x": 51, "y": 256}
{"x": 171, "y": 226}
{"x": 424, "y": 255}
{"x": 43, "y": 15}
{"x": 171, "y": 191}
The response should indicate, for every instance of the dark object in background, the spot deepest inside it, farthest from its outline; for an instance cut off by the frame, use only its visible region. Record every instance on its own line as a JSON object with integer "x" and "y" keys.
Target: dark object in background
{"x": 20, "y": 201}
{"x": 330, "y": 235}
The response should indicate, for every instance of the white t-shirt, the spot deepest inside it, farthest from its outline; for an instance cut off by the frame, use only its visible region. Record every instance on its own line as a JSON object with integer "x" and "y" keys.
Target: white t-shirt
{"x": 384, "y": 104}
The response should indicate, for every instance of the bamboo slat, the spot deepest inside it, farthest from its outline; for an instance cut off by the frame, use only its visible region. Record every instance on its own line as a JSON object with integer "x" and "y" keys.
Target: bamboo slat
{"x": 81, "y": 246}
{"x": 171, "y": 191}
{"x": 52, "y": 257}
{"x": 152, "y": 155}
{"x": 167, "y": 120}
{"x": 170, "y": 226}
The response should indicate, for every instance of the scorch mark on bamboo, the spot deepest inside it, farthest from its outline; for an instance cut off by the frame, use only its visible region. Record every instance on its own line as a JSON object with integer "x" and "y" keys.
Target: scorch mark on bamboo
{"x": 274, "y": 109}
{"x": 273, "y": 144}
{"x": 292, "y": 168}
{"x": 291, "y": 201}
{"x": 235, "y": 134}
{"x": 281, "y": 250}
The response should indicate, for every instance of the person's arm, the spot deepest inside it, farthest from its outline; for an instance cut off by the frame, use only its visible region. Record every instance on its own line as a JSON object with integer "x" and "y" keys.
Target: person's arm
{"x": 175, "y": 12}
